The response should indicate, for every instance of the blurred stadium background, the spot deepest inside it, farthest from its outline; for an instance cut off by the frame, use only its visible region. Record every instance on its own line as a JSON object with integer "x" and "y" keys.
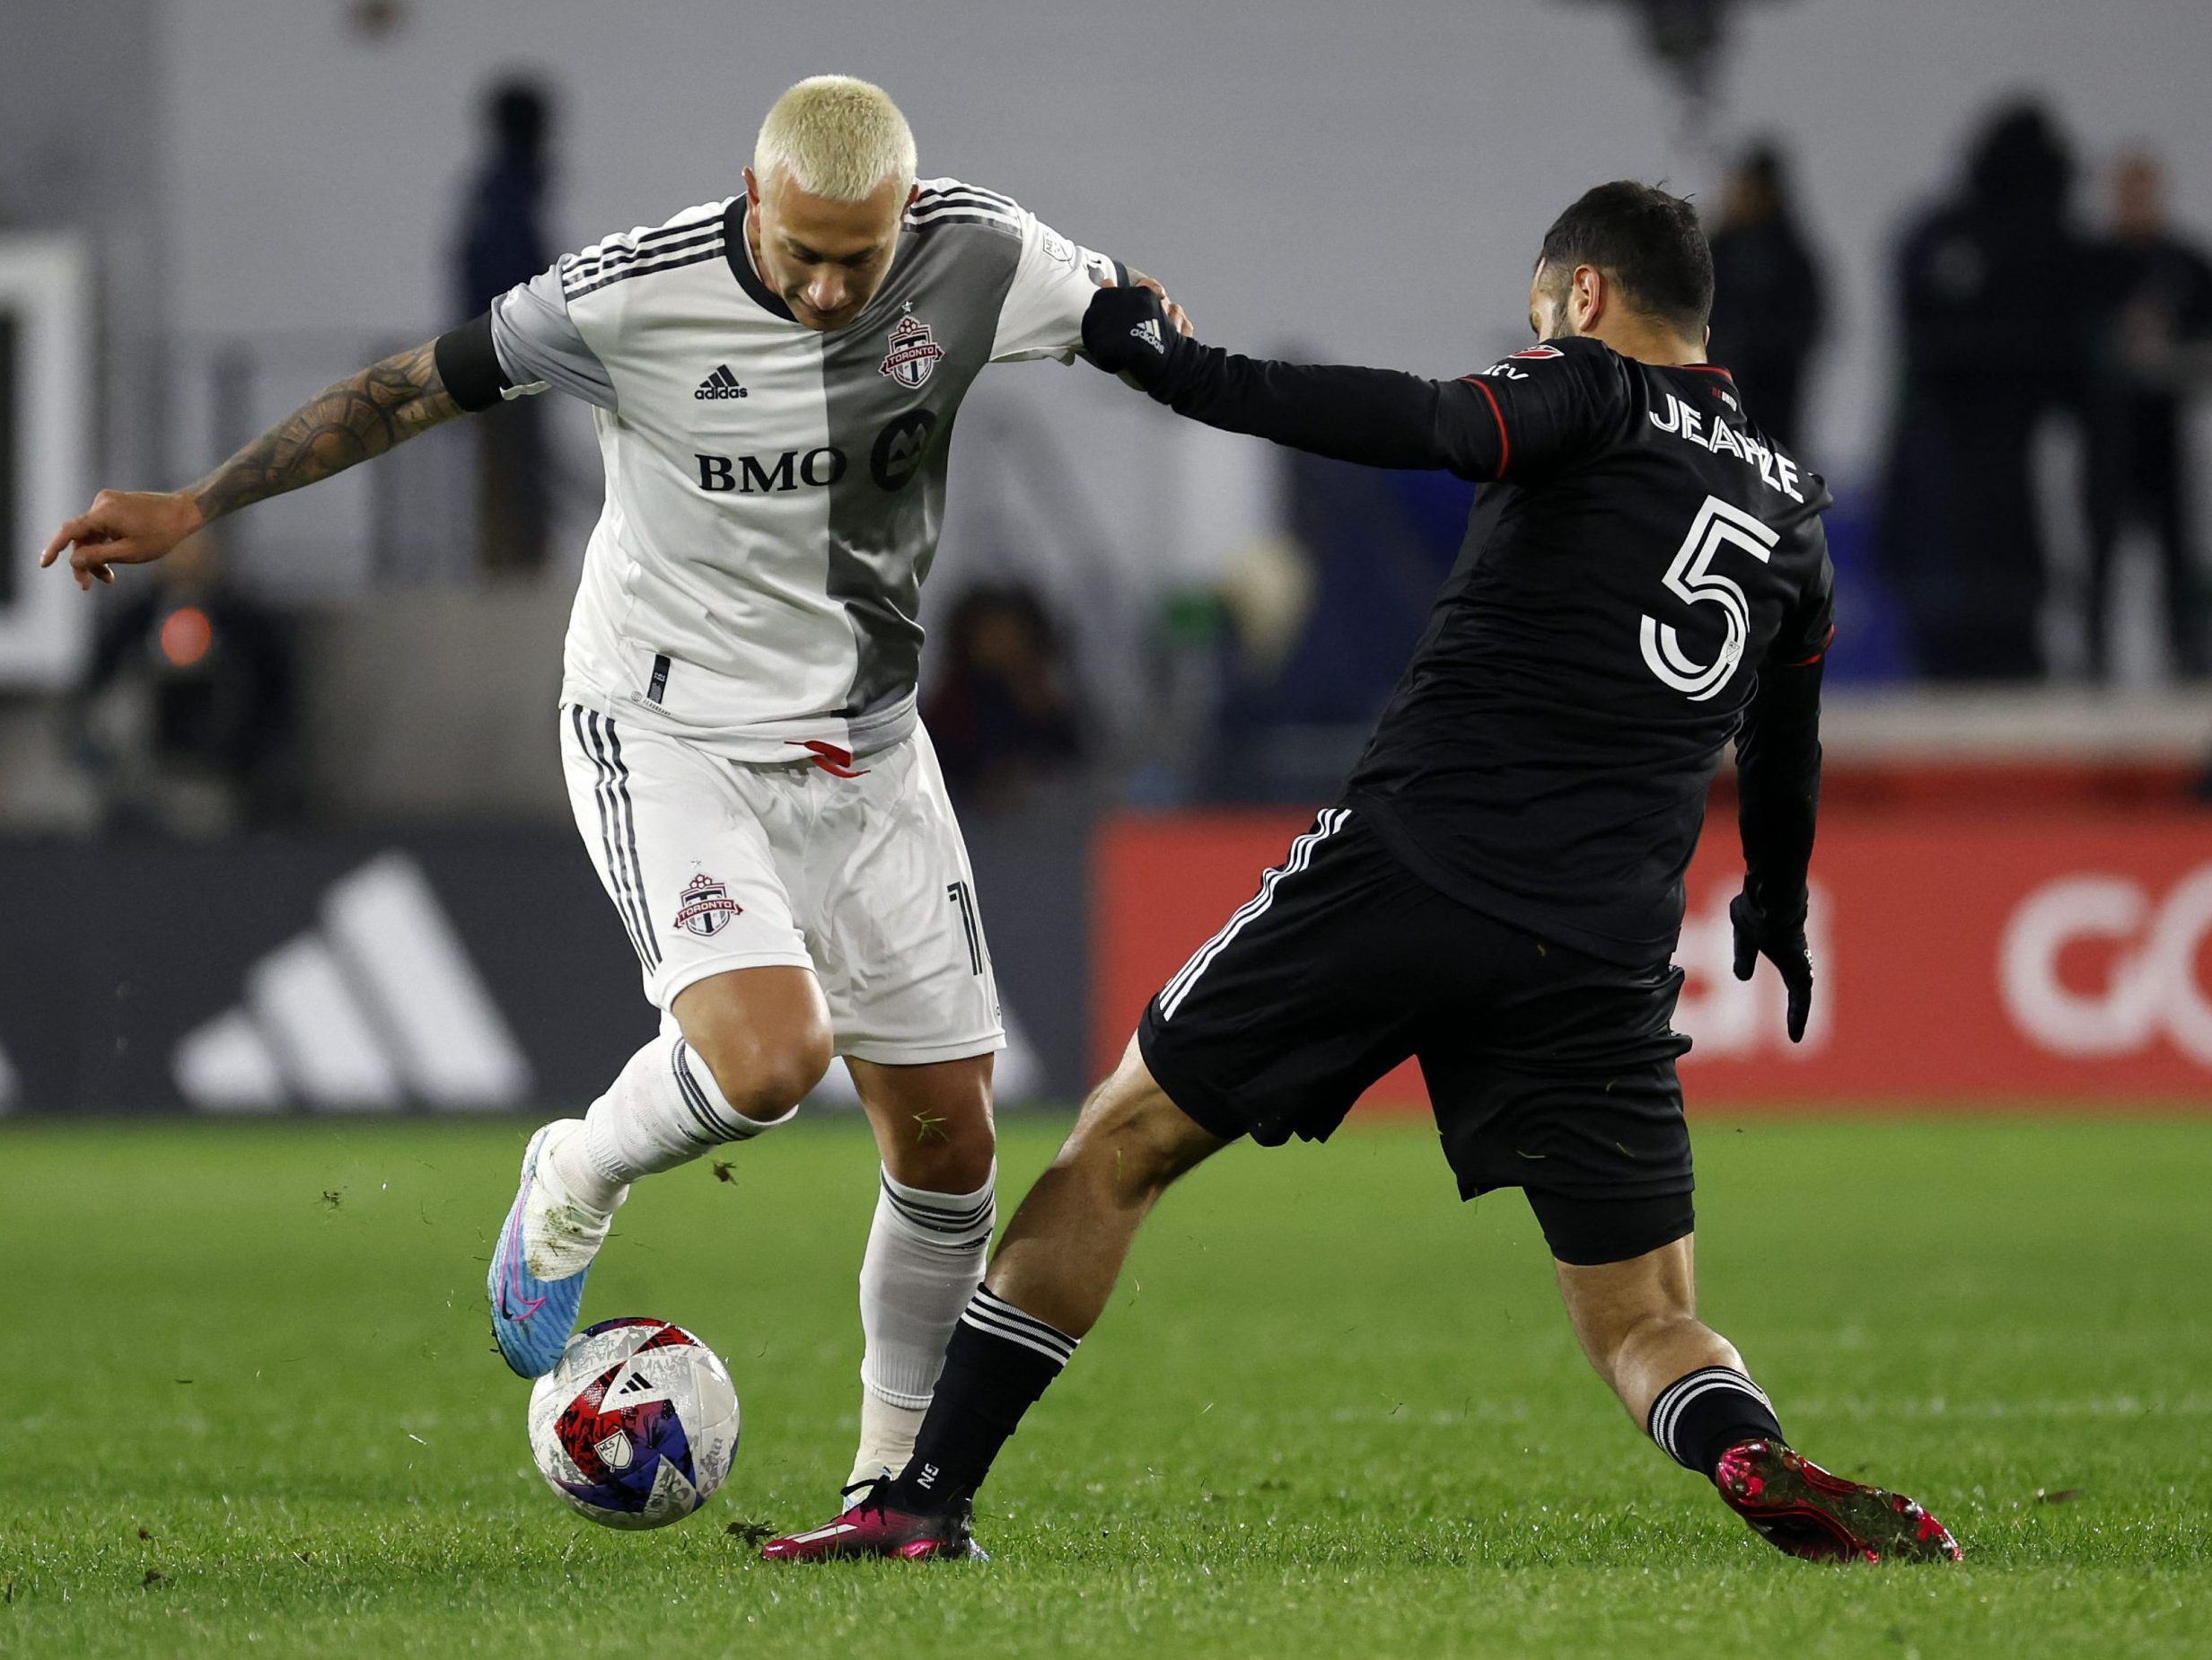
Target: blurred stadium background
{"x": 308, "y": 783}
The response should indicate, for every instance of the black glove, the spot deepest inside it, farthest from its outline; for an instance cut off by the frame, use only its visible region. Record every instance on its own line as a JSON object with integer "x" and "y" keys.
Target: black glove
{"x": 1126, "y": 331}
{"x": 1781, "y": 940}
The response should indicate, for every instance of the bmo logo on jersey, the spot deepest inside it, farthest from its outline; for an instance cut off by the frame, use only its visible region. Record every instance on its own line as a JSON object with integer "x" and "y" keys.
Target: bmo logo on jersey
{"x": 750, "y": 475}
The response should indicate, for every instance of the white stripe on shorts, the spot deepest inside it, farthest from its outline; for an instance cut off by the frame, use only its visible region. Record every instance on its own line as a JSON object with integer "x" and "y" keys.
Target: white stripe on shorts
{"x": 1301, "y": 855}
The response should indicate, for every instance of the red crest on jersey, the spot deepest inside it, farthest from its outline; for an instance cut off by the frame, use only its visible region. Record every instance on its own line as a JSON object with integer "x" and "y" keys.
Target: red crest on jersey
{"x": 704, "y": 908}
{"x": 913, "y": 353}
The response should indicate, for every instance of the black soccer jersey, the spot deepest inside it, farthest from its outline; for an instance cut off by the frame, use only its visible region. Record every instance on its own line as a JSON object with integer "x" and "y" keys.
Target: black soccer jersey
{"x": 1639, "y": 553}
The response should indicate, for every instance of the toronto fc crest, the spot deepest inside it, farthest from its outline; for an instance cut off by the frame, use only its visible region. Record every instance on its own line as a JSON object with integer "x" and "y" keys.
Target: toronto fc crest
{"x": 913, "y": 353}
{"x": 706, "y": 907}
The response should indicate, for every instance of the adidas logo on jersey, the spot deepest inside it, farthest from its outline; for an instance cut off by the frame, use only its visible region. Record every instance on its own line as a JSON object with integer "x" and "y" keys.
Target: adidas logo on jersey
{"x": 1148, "y": 331}
{"x": 721, "y": 383}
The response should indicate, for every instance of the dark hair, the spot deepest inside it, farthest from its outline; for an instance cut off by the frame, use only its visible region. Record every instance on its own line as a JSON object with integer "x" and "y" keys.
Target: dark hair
{"x": 1645, "y": 239}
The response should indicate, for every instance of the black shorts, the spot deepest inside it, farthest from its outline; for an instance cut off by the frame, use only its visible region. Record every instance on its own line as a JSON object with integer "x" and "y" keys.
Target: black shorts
{"x": 1547, "y": 1070}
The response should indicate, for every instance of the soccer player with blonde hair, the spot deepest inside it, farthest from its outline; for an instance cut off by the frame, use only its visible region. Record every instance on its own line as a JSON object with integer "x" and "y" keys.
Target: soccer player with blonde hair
{"x": 774, "y": 378}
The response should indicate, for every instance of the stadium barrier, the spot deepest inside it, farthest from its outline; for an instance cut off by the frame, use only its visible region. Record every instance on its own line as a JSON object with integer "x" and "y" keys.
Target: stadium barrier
{"x": 474, "y": 969}
{"x": 1962, "y": 960}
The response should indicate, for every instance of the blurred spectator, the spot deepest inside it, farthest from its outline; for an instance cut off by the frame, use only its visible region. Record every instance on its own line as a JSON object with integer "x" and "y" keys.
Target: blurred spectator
{"x": 1768, "y": 303}
{"x": 1319, "y": 626}
{"x": 503, "y": 241}
{"x": 187, "y": 713}
{"x": 1993, "y": 292}
{"x": 2154, "y": 299}
{"x": 1001, "y": 713}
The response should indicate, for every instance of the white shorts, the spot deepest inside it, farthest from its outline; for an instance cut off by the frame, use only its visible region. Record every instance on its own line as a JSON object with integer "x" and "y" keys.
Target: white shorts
{"x": 717, "y": 865}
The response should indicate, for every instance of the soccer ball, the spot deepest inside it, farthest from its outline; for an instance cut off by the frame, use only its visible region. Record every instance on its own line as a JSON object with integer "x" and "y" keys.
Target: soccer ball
{"x": 635, "y": 1424}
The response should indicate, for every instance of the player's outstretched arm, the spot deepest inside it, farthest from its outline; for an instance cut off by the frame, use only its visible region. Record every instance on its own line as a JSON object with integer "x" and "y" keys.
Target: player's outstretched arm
{"x": 343, "y": 425}
{"x": 1379, "y": 417}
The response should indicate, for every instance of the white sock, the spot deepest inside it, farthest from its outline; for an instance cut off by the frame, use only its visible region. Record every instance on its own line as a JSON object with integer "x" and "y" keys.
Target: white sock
{"x": 887, "y": 1434}
{"x": 664, "y": 1110}
{"x": 563, "y": 1229}
{"x": 924, "y": 1261}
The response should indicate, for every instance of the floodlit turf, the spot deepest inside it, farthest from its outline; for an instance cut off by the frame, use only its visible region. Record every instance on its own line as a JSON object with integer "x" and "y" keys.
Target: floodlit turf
{"x": 251, "y": 1406}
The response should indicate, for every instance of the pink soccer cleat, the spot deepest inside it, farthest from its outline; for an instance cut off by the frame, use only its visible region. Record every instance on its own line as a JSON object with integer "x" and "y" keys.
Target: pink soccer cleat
{"x": 1802, "y": 1511}
{"x": 871, "y": 1528}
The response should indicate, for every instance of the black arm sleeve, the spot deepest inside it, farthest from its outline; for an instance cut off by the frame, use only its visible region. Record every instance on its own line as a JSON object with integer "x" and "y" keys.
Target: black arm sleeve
{"x": 1377, "y": 418}
{"x": 1779, "y": 784}
{"x": 1540, "y": 407}
{"x": 469, "y": 365}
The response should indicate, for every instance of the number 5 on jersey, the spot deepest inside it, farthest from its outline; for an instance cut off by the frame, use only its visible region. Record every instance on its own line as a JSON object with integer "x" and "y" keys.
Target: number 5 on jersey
{"x": 1692, "y": 579}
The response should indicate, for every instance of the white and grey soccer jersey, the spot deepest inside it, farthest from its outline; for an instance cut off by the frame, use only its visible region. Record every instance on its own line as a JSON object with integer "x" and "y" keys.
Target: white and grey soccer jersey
{"x": 774, "y": 494}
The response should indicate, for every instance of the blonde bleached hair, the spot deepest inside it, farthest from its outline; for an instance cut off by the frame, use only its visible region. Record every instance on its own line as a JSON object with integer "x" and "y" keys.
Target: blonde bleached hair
{"x": 837, "y": 137}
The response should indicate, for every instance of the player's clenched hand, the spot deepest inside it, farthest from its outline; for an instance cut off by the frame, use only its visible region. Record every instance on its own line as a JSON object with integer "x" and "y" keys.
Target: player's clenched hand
{"x": 1781, "y": 940}
{"x": 123, "y": 527}
{"x": 1127, "y": 331}
{"x": 1175, "y": 313}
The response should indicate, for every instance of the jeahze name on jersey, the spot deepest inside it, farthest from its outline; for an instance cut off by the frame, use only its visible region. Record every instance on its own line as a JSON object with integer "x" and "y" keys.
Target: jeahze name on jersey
{"x": 1775, "y": 469}
{"x": 1683, "y": 419}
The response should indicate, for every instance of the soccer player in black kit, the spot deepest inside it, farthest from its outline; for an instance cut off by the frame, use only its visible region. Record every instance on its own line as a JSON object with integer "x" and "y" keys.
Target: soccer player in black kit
{"x": 1499, "y": 889}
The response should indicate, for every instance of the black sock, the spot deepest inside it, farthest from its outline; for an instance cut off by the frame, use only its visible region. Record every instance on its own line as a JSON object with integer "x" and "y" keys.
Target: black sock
{"x": 1699, "y": 1417}
{"x": 999, "y": 1361}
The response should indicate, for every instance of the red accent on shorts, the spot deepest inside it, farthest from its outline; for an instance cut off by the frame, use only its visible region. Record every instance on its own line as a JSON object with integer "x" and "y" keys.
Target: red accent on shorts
{"x": 836, "y": 763}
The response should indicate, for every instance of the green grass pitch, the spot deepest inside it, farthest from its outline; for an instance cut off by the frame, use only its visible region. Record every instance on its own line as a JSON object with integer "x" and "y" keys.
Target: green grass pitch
{"x": 251, "y": 1406}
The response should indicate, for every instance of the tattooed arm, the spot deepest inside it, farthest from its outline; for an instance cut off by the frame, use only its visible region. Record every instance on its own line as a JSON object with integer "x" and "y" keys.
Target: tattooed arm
{"x": 385, "y": 404}
{"x": 341, "y": 426}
